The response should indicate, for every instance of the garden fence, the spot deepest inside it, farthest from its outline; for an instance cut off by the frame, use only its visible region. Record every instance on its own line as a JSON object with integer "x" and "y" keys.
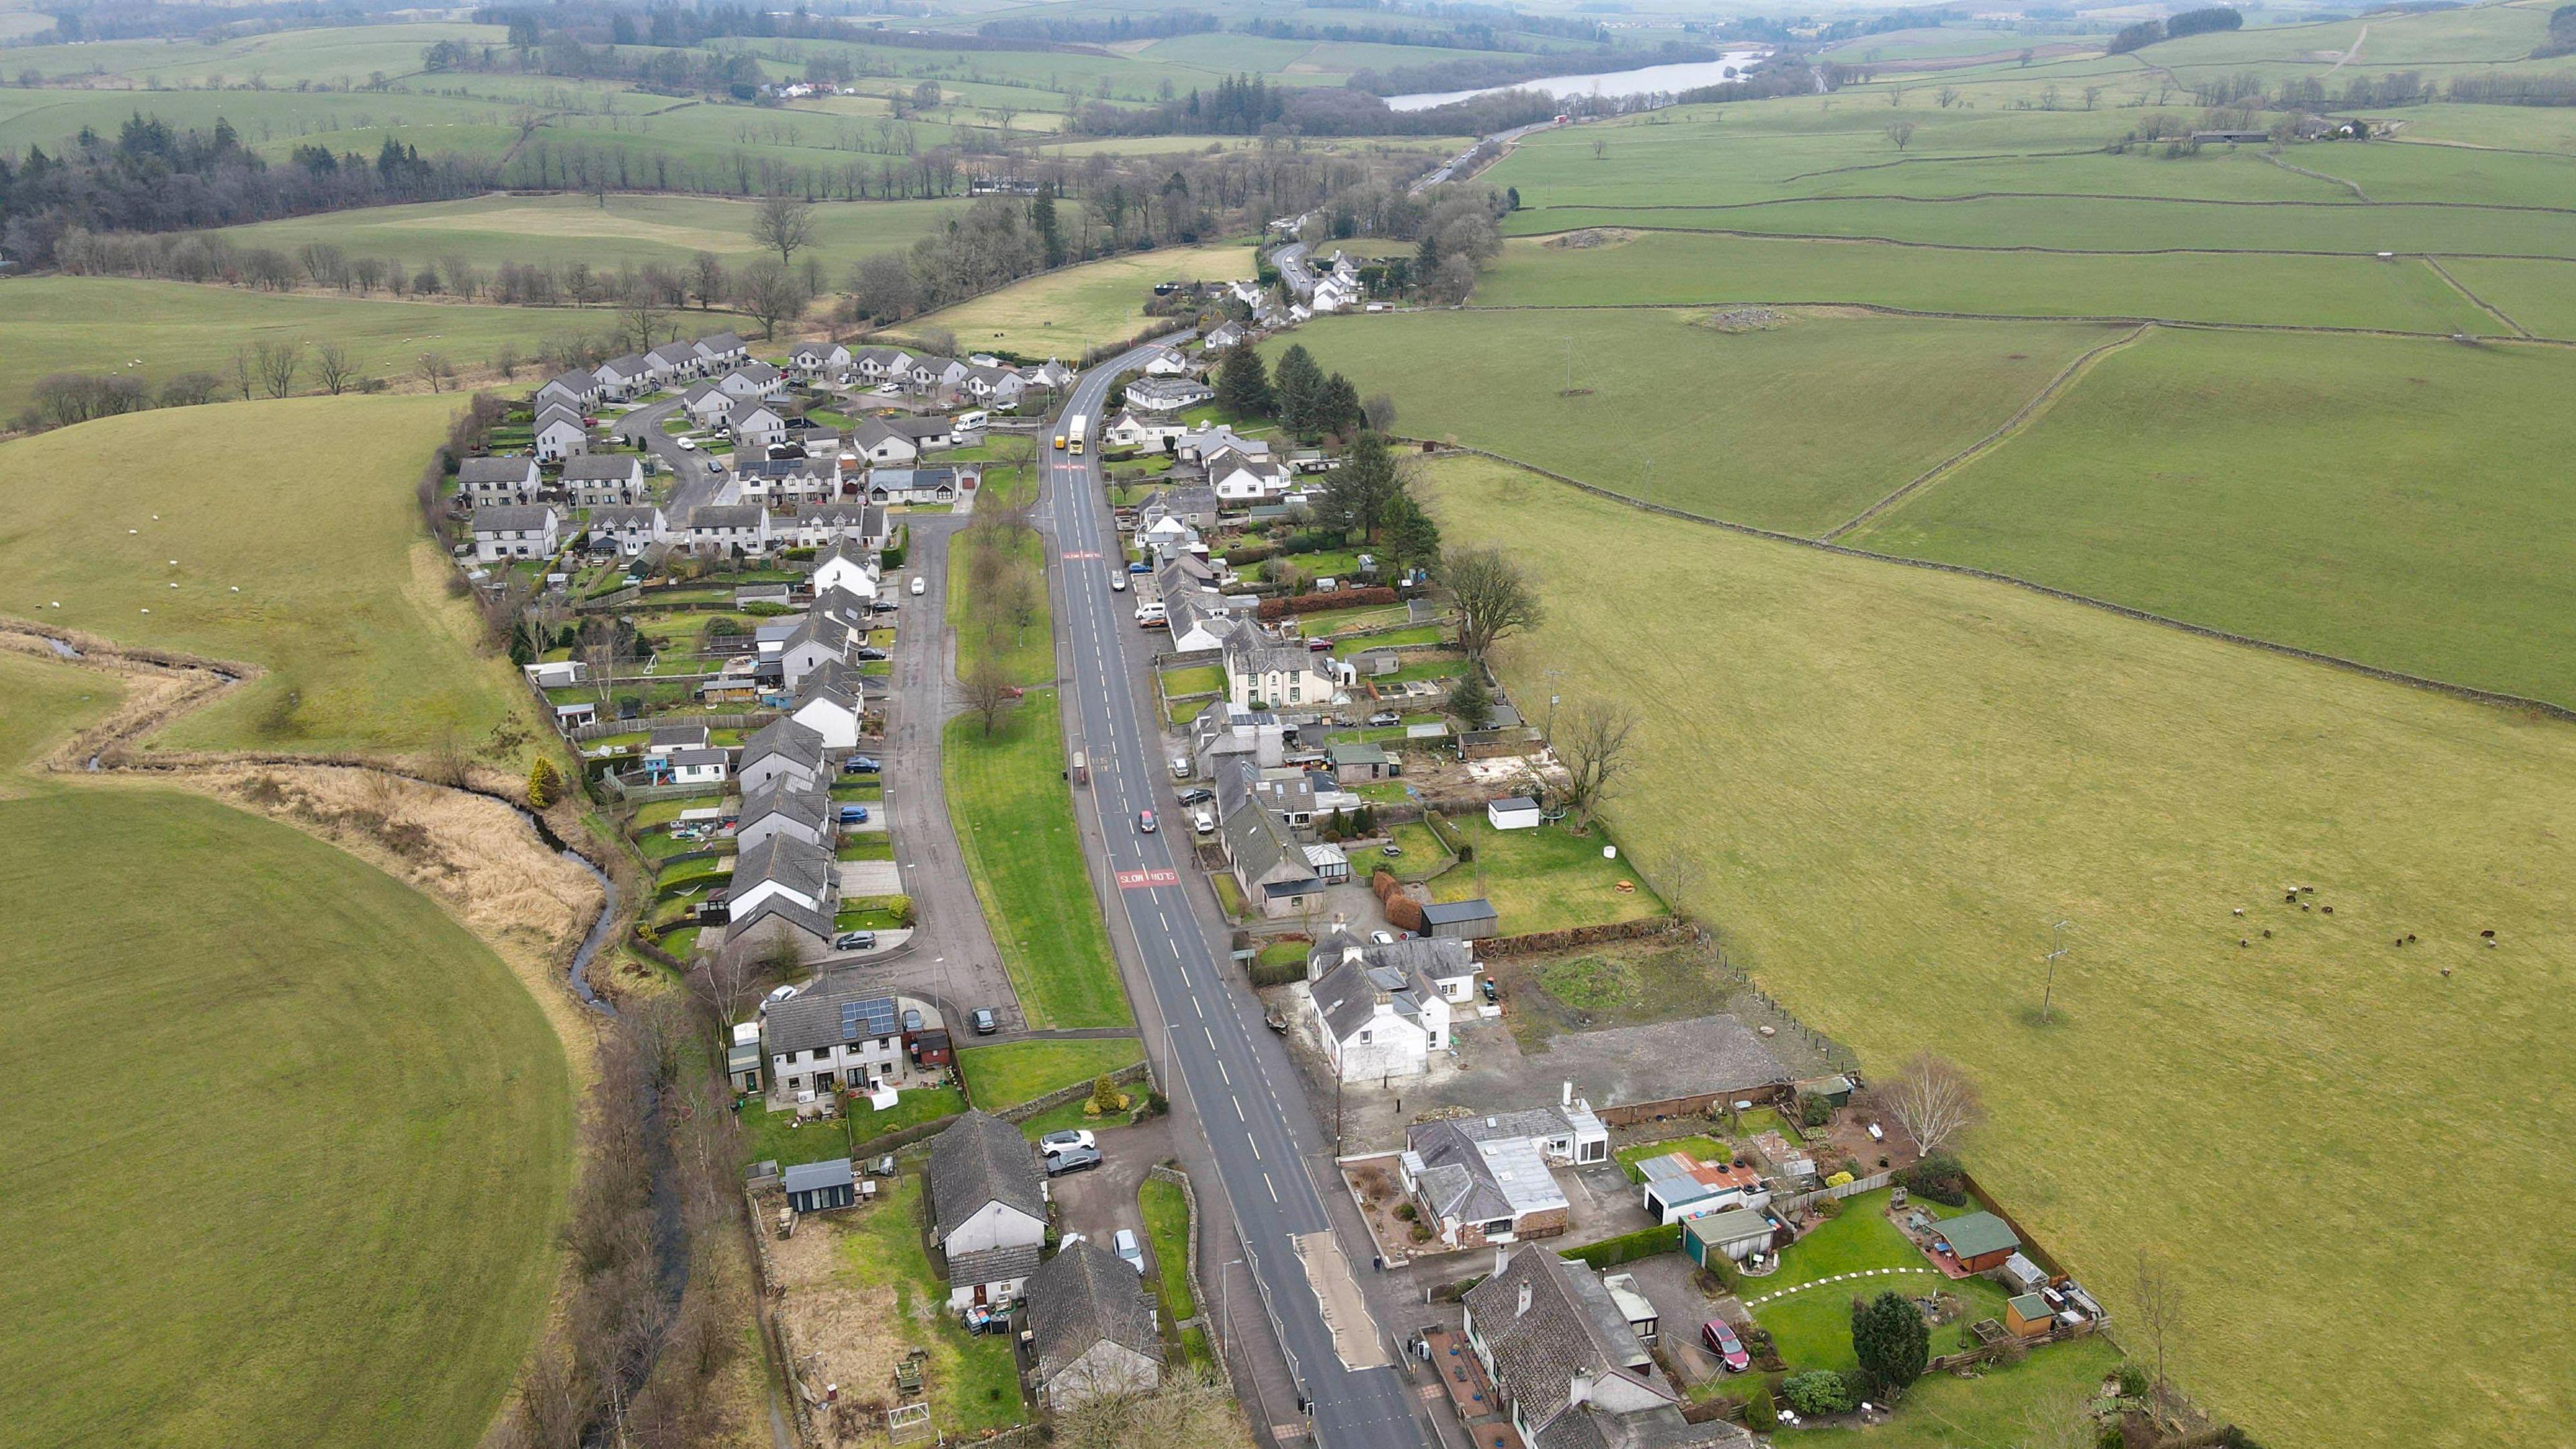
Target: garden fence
{"x": 1853, "y": 1188}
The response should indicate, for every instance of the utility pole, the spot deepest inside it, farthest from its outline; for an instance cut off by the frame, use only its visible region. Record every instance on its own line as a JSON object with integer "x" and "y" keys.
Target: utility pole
{"x": 2057, "y": 953}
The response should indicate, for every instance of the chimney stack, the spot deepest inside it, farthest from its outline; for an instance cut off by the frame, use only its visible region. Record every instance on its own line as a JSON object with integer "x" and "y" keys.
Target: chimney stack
{"x": 1502, "y": 1259}
{"x": 1525, "y": 1302}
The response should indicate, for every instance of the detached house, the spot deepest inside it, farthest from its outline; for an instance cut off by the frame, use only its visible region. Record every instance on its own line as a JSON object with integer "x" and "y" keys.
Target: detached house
{"x": 1262, "y": 672}
{"x": 1570, "y": 1368}
{"x": 755, "y": 426}
{"x": 559, "y": 432}
{"x": 988, "y": 1207}
{"x": 706, "y": 404}
{"x": 1239, "y": 477}
{"x": 929, "y": 374}
{"x": 672, "y": 362}
{"x": 1482, "y": 1181}
{"x": 1383, "y": 1010}
{"x": 1091, "y": 1332}
{"x": 508, "y": 531}
{"x": 753, "y": 380}
{"x": 1269, "y": 864}
{"x": 482, "y": 481}
{"x": 1167, "y": 362}
{"x": 604, "y": 479}
{"x": 912, "y": 485}
{"x": 995, "y": 386}
{"x": 881, "y": 445}
{"x": 1168, "y": 394}
{"x": 1128, "y": 430}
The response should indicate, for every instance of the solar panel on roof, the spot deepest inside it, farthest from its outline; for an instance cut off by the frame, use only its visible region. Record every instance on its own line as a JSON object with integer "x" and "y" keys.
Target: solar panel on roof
{"x": 873, "y": 1017}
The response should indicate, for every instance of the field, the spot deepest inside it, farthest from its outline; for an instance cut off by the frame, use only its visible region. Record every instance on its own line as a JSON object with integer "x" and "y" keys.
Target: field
{"x": 1016, "y": 1072}
{"x": 1685, "y": 414}
{"x": 631, "y": 230}
{"x": 52, "y": 324}
{"x": 1064, "y": 313}
{"x": 348, "y": 1127}
{"x": 1892, "y": 781}
{"x": 2369, "y": 498}
{"x": 305, "y": 507}
{"x": 1015, "y": 828}
{"x": 1547, "y": 879}
{"x": 1813, "y": 1327}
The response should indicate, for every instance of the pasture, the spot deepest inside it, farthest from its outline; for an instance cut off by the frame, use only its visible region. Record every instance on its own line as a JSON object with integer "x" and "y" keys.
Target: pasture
{"x": 1797, "y": 425}
{"x": 325, "y": 1212}
{"x": 51, "y": 324}
{"x": 2373, "y": 498}
{"x": 1066, "y": 312}
{"x": 1884, "y": 783}
{"x": 305, "y": 507}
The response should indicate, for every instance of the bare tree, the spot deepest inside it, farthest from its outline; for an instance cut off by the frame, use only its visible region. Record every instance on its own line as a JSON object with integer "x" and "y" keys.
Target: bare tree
{"x": 640, "y": 321}
{"x": 1900, "y": 133}
{"x": 785, "y": 225}
{"x": 1593, "y": 743}
{"x": 337, "y": 370}
{"x": 436, "y": 370}
{"x": 1188, "y": 1408}
{"x": 770, "y": 293}
{"x": 1493, "y": 598}
{"x": 988, "y": 689}
{"x": 2156, "y": 1307}
{"x": 1935, "y": 1100}
{"x": 505, "y": 361}
{"x": 726, "y": 983}
{"x": 278, "y": 362}
{"x": 706, "y": 279}
{"x": 1600, "y": 147}
{"x": 1380, "y": 412}
{"x": 244, "y": 374}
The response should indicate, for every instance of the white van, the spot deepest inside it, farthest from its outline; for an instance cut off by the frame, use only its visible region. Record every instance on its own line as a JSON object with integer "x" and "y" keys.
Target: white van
{"x": 1150, "y": 612}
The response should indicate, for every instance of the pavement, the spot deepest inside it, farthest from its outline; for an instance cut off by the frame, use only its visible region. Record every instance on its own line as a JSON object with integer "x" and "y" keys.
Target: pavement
{"x": 1263, "y": 1154}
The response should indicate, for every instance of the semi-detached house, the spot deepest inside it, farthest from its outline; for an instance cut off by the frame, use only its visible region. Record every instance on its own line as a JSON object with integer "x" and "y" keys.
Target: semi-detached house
{"x": 509, "y": 531}
{"x": 1262, "y": 672}
{"x": 604, "y": 479}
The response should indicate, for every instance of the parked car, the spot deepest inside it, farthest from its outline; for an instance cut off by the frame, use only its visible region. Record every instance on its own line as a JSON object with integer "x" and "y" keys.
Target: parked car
{"x": 1069, "y": 1137}
{"x": 882, "y": 1167}
{"x": 1203, "y": 821}
{"x": 911, "y": 1019}
{"x": 1385, "y": 717}
{"x": 1118, "y": 583}
{"x": 1319, "y": 646}
{"x": 688, "y": 445}
{"x": 1718, "y": 1337}
{"x": 855, "y": 941}
{"x": 1072, "y": 1159}
{"x": 1138, "y": 568}
{"x": 983, "y": 1021}
{"x": 854, "y": 815}
{"x": 884, "y": 606}
{"x": 1197, "y": 796}
{"x": 1145, "y": 821}
{"x": 869, "y": 652}
{"x": 1129, "y": 1252}
{"x": 859, "y": 765}
{"x": 920, "y": 585}
{"x": 1390, "y": 849}
{"x": 1381, "y": 938}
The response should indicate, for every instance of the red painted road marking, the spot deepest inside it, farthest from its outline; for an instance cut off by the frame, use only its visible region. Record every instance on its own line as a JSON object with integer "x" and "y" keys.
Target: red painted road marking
{"x": 1140, "y": 880}
{"x": 1078, "y": 555}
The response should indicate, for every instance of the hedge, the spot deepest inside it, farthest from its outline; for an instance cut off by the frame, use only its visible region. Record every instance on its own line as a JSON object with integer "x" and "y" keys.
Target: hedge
{"x": 1629, "y": 1247}
{"x": 1337, "y": 599}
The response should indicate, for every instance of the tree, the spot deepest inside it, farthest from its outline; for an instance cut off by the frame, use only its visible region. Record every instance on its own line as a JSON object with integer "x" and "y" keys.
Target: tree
{"x": 882, "y": 288}
{"x": 771, "y": 293}
{"x": 335, "y": 367}
{"x": 1379, "y": 411}
{"x": 545, "y": 784}
{"x": 505, "y": 361}
{"x": 726, "y": 983}
{"x": 1892, "y": 1342}
{"x": 2156, "y": 1308}
{"x": 1412, "y": 539}
{"x": 1935, "y": 1101}
{"x": 785, "y": 225}
{"x": 641, "y": 320}
{"x": 278, "y": 362}
{"x": 988, "y": 689}
{"x": 1242, "y": 388}
{"x": 437, "y": 371}
{"x": 1600, "y": 147}
{"x": 1493, "y": 598}
{"x": 1294, "y": 383}
{"x": 1190, "y": 1407}
{"x": 245, "y": 374}
{"x": 1471, "y": 701}
{"x": 1105, "y": 1096}
{"x": 1900, "y": 134}
{"x": 1337, "y": 406}
{"x": 1592, "y": 742}
{"x": 1358, "y": 493}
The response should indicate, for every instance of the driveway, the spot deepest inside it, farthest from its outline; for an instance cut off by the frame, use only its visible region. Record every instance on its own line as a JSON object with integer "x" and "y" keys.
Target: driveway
{"x": 1099, "y": 1202}
{"x": 694, "y": 485}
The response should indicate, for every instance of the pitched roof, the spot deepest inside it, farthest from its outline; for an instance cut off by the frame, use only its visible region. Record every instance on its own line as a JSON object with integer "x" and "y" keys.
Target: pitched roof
{"x": 703, "y": 392}
{"x": 1973, "y": 1235}
{"x": 495, "y": 470}
{"x": 514, "y": 517}
{"x": 1262, "y": 849}
{"x": 828, "y": 1013}
{"x": 808, "y": 1176}
{"x": 579, "y": 382}
{"x": 1566, "y": 1324}
{"x": 995, "y": 1265}
{"x": 798, "y": 865}
{"x": 749, "y": 408}
{"x": 629, "y": 365}
{"x": 919, "y": 428}
{"x": 810, "y": 806}
{"x": 721, "y": 342}
{"x": 726, "y": 515}
{"x": 672, "y": 354}
{"x": 1452, "y": 913}
{"x": 617, "y": 517}
{"x": 833, "y": 682}
{"x": 785, "y": 738}
{"x": 760, "y": 372}
{"x": 1086, "y": 1294}
{"x": 602, "y": 468}
{"x": 979, "y": 1159}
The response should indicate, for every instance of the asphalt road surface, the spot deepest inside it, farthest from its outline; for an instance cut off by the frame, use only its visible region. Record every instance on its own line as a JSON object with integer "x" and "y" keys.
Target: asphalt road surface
{"x": 1234, "y": 1071}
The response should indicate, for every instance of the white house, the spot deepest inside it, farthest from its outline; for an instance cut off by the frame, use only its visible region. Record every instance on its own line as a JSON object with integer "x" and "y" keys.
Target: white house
{"x": 498, "y": 480}
{"x": 1225, "y": 335}
{"x": 851, "y": 566}
{"x": 780, "y": 808}
{"x": 1167, "y": 362}
{"x": 604, "y": 479}
{"x": 929, "y": 374}
{"x": 1198, "y": 446}
{"x": 913, "y": 485}
{"x": 575, "y": 389}
{"x": 787, "y": 480}
{"x": 698, "y": 767}
{"x": 706, "y": 404}
{"x": 1128, "y": 430}
{"x": 753, "y": 380}
{"x": 811, "y": 358}
{"x": 986, "y": 1190}
{"x": 635, "y": 527}
{"x": 1168, "y": 394}
{"x": 1091, "y": 1333}
{"x": 672, "y": 362}
{"x": 825, "y": 524}
{"x": 1052, "y": 375}
{"x": 1264, "y": 673}
{"x": 996, "y": 386}
{"x": 880, "y": 364}
{"x": 782, "y": 748}
{"x": 755, "y": 426}
{"x": 1384, "y": 1011}
{"x": 1512, "y": 812}
{"x": 719, "y": 349}
{"x": 882, "y": 446}
{"x": 1241, "y": 478}
{"x": 559, "y": 432}
{"x": 828, "y": 1037}
{"x": 516, "y": 530}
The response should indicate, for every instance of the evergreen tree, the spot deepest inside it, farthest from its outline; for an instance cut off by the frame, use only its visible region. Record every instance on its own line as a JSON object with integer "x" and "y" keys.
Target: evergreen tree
{"x": 1362, "y": 488}
{"x": 1042, "y": 221}
{"x": 545, "y": 784}
{"x": 1242, "y": 390}
{"x": 1891, "y": 1341}
{"x": 1472, "y": 701}
{"x": 1337, "y": 407}
{"x": 1411, "y": 539}
{"x": 1295, "y": 382}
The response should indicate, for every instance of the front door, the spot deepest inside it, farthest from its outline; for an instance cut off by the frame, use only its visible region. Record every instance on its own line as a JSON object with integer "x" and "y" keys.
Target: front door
{"x": 822, "y": 1081}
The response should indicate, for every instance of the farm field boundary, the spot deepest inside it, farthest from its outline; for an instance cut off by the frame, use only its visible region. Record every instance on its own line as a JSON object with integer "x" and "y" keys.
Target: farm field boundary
{"x": 1882, "y": 310}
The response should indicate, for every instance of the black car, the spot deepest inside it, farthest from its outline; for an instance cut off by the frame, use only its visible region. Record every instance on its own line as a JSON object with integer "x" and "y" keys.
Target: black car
{"x": 867, "y": 652}
{"x": 884, "y": 606}
{"x": 1072, "y": 1159}
{"x": 859, "y": 765}
{"x": 1199, "y": 796}
{"x": 983, "y": 1020}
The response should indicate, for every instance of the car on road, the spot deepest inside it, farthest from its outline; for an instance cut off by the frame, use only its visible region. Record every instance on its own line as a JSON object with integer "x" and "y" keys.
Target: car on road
{"x": 688, "y": 445}
{"x": 920, "y": 586}
{"x": 1072, "y": 1159}
{"x": 1118, "y": 583}
{"x": 855, "y": 941}
{"x": 1718, "y": 1337}
{"x": 1385, "y": 717}
{"x": 1145, "y": 821}
{"x": 714, "y": 467}
{"x": 1069, "y": 1137}
{"x": 985, "y": 1025}
{"x": 859, "y": 765}
{"x": 1199, "y": 796}
{"x": 1129, "y": 1251}
{"x": 889, "y": 389}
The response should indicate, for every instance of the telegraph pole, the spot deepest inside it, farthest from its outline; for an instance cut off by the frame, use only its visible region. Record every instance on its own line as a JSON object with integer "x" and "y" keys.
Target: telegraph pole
{"x": 2057, "y": 953}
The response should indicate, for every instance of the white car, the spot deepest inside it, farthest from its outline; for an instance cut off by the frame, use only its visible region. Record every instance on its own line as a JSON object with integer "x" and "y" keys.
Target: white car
{"x": 688, "y": 445}
{"x": 1128, "y": 1251}
{"x": 1118, "y": 582}
{"x": 1070, "y": 1137}
{"x": 1381, "y": 938}
{"x": 920, "y": 585}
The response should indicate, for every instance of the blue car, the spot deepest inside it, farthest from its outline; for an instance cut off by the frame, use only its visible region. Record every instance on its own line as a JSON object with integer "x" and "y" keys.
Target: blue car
{"x": 1138, "y": 568}
{"x": 854, "y": 815}
{"x": 859, "y": 765}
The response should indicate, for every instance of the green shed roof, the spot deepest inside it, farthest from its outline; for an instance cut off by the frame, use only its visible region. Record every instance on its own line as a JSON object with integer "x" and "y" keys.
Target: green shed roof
{"x": 2030, "y": 1306}
{"x": 1973, "y": 1235}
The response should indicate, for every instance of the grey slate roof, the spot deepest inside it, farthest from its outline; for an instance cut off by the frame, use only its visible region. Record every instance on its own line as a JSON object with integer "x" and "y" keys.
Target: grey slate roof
{"x": 1083, "y": 1295}
{"x": 979, "y": 1159}
{"x": 759, "y": 372}
{"x": 996, "y": 1265}
{"x": 787, "y": 861}
{"x": 919, "y": 428}
{"x": 677, "y": 737}
{"x": 623, "y": 517}
{"x": 1250, "y": 651}
{"x": 814, "y": 1018}
{"x": 726, "y": 515}
{"x": 1430, "y": 957}
{"x": 1451, "y": 913}
{"x": 603, "y": 468}
{"x": 672, "y": 354}
{"x": 630, "y": 365}
{"x": 808, "y": 1176}
{"x": 581, "y": 384}
{"x": 1570, "y": 1326}
{"x": 785, "y": 737}
{"x": 1262, "y": 850}
{"x": 744, "y": 411}
{"x": 704, "y": 391}
{"x": 811, "y": 806}
{"x": 835, "y": 681}
{"x": 495, "y": 470}
{"x": 720, "y": 342}
{"x": 511, "y": 517}
{"x": 805, "y": 918}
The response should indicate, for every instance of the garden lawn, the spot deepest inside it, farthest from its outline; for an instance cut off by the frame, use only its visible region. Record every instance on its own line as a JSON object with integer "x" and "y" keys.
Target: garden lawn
{"x": 913, "y": 1107}
{"x": 1546, "y": 879}
{"x": 1795, "y": 428}
{"x": 970, "y": 1380}
{"x": 2408, "y": 513}
{"x": 356, "y": 1135}
{"x": 1167, "y": 1228}
{"x": 778, "y": 1137}
{"x": 1888, "y": 782}
{"x": 342, "y": 598}
{"x": 1065, "y": 313}
{"x": 1700, "y": 1146}
{"x": 1022, "y": 1071}
{"x": 1812, "y": 1326}
{"x": 1197, "y": 679}
{"x": 1990, "y": 1411}
{"x": 1014, "y": 818}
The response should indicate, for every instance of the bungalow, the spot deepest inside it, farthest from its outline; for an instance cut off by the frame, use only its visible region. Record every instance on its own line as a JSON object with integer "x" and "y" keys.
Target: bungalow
{"x": 634, "y": 528}
{"x": 783, "y": 897}
{"x": 1090, "y": 1332}
{"x": 830, "y": 701}
{"x": 483, "y": 481}
{"x": 1052, "y": 375}
{"x": 783, "y": 807}
{"x": 1197, "y": 446}
{"x": 559, "y": 432}
{"x": 1382, "y": 1011}
{"x": 1568, "y": 1366}
{"x": 985, "y": 1188}
{"x": 1225, "y": 335}
{"x": 1167, "y": 362}
{"x": 881, "y": 445}
{"x": 516, "y": 531}
{"x": 782, "y": 748}
{"x": 1200, "y": 620}
{"x": 927, "y": 433}
{"x": 1195, "y": 507}
{"x": 729, "y": 528}
{"x": 718, "y": 349}
{"x": 753, "y": 380}
{"x": 706, "y": 404}
{"x": 1484, "y": 1181}
{"x": 624, "y": 377}
{"x": 1262, "y": 672}
{"x": 829, "y": 1036}
{"x": 576, "y": 388}
{"x": 672, "y": 362}
{"x": 816, "y": 1187}
{"x": 913, "y": 485}
{"x": 1678, "y": 1187}
{"x": 604, "y": 479}
{"x": 704, "y": 766}
{"x": 1512, "y": 812}
{"x": 1168, "y": 394}
{"x": 850, "y": 565}
{"x": 1127, "y": 430}
{"x": 1268, "y": 864}
{"x": 877, "y": 364}
{"x": 755, "y": 425}
{"x": 812, "y": 358}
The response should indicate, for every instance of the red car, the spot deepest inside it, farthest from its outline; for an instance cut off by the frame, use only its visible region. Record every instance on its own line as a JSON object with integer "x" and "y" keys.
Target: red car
{"x": 1719, "y": 1339}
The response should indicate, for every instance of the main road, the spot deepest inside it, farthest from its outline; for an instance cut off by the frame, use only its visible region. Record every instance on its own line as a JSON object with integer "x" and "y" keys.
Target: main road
{"x": 1236, "y": 1076}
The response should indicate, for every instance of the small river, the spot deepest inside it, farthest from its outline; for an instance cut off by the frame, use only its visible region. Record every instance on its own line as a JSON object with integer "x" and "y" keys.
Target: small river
{"x": 1646, "y": 80}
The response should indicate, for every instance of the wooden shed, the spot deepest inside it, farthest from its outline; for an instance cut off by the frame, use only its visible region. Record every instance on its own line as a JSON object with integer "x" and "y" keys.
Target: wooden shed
{"x": 1980, "y": 1240}
{"x": 2027, "y": 1316}
{"x": 1461, "y": 920}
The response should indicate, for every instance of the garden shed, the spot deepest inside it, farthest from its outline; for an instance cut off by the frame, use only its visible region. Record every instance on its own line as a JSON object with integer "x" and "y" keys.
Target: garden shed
{"x": 1979, "y": 1240}
{"x": 2027, "y": 1316}
{"x": 1461, "y": 920}
{"x": 1512, "y": 812}
{"x": 1734, "y": 1234}
{"x": 815, "y": 1187}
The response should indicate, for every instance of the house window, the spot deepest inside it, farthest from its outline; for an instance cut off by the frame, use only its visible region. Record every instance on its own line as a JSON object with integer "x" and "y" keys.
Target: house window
{"x": 1364, "y": 1037}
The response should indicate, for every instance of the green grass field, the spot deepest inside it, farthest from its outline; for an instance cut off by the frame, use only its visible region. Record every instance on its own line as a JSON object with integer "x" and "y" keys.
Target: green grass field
{"x": 349, "y": 1127}
{"x": 2365, "y": 497}
{"x": 1812, "y": 1325}
{"x": 1015, "y": 825}
{"x": 1795, "y": 428}
{"x": 1547, "y": 879}
{"x": 1893, "y": 781}
{"x": 305, "y": 507}
{"x": 1026, "y": 651}
{"x": 1064, "y": 313}
{"x": 1016, "y": 1072}
{"x": 162, "y": 329}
